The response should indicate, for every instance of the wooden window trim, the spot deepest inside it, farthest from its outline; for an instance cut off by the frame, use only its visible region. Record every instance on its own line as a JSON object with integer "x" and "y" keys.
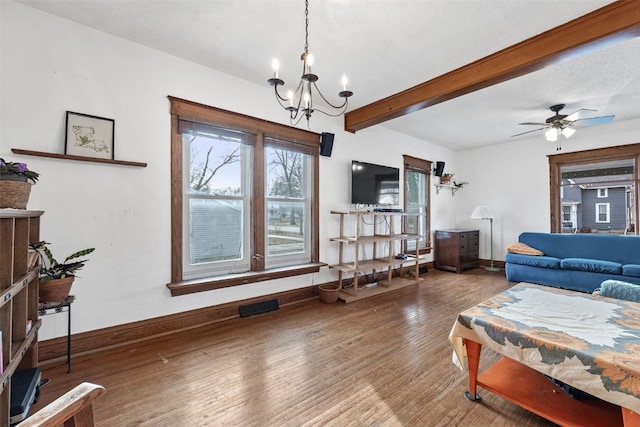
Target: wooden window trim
{"x": 619, "y": 152}
{"x": 310, "y": 143}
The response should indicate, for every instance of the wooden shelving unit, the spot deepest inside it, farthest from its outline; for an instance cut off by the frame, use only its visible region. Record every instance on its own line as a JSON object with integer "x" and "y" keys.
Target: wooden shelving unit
{"x": 18, "y": 299}
{"x": 378, "y": 235}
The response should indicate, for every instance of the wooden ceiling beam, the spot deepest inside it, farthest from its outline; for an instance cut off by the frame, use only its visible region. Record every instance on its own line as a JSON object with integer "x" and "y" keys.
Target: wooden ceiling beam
{"x": 608, "y": 25}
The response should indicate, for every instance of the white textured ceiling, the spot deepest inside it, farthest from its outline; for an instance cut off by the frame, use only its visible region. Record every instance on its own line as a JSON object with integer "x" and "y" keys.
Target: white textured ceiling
{"x": 384, "y": 47}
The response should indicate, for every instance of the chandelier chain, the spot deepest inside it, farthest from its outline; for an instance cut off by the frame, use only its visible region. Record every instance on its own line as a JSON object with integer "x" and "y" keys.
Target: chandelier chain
{"x": 306, "y": 26}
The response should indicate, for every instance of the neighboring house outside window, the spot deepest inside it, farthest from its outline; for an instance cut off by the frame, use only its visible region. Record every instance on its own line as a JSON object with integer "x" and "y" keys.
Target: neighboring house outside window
{"x": 582, "y": 181}
{"x": 244, "y": 199}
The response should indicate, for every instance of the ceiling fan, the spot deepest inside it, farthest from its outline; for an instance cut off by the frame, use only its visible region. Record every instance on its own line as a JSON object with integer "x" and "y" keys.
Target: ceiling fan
{"x": 561, "y": 124}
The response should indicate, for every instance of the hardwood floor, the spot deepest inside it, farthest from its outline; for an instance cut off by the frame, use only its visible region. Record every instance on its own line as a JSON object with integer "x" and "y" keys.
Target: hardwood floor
{"x": 381, "y": 361}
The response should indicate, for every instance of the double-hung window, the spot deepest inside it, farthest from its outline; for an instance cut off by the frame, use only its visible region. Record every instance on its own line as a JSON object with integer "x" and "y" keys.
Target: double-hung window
{"x": 244, "y": 199}
{"x": 417, "y": 174}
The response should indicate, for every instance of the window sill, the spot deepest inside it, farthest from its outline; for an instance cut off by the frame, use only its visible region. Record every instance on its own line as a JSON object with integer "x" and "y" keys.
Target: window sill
{"x": 227, "y": 281}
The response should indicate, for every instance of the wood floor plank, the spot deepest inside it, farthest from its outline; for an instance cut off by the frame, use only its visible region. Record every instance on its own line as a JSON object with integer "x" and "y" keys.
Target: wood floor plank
{"x": 380, "y": 361}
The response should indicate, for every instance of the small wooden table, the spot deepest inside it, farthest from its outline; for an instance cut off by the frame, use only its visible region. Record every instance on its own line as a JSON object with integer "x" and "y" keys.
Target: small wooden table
{"x": 590, "y": 343}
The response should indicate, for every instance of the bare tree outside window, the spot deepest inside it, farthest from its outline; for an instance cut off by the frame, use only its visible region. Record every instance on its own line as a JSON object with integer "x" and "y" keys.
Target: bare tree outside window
{"x": 285, "y": 200}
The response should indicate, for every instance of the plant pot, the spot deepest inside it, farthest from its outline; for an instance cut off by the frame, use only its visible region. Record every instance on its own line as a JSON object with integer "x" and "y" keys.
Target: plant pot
{"x": 13, "y": 177}
{"x": 55, "y": 291}
{"x": 328, "y": 293}
{"x": 445, "y": 180}
{"x": 14, "y": 194}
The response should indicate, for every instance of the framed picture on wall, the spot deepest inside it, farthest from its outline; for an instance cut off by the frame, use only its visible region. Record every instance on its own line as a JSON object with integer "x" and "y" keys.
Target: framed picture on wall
{"x": 89, "y": 136}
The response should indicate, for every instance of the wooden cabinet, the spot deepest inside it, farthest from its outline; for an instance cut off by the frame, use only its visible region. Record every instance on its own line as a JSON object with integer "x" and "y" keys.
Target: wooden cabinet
{"x": 19, "y": 322}
{"x": 370, "y": 242}
{"x": 456, "y": 250}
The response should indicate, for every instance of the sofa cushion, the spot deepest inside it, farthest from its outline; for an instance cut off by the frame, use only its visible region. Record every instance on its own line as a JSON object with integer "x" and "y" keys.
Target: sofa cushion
{"x": 524, "y": 249}
{"x": 608, "y": 247}
{"x": 620, "y": 290}
{"x": 631, "y": 270}
{"x": 591, "y": 265}
{"x": 534, "y": 261}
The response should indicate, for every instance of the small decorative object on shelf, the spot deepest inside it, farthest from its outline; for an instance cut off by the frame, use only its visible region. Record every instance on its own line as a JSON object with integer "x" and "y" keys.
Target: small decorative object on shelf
{"x": 14, "y": 184}
{"x": 445, "y": 179}
{"x": 89, "y": 136}
{"x": 56, "y": 278}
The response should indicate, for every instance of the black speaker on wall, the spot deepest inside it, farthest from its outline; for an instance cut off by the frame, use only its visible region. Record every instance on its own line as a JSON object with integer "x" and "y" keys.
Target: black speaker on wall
{"x": 326, "y": 144}
{"x": 439, "y": 169}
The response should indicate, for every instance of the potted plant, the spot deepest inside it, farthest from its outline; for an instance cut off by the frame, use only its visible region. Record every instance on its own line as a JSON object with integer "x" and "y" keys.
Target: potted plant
{"x": 14, "y": 185}
{"x": 56, "y": 277}
{"x": 446, "y": 178}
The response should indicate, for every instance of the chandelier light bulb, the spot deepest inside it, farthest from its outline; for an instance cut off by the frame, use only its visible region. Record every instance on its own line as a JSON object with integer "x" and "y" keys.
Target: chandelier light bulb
{"x": 344, "y": 82}
{"x": 306, "y": 99}
{"x": 275, "y": 64}
{"x": 290, "y": 98}
{"x": 309, "y": 60}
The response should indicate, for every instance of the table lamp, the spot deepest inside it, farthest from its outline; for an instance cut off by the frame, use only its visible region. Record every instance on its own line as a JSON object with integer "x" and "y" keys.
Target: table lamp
{"x": 482, "y": 212}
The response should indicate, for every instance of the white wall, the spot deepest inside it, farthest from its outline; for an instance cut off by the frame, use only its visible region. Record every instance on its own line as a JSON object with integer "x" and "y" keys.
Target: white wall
{"x": 51, "y": 65}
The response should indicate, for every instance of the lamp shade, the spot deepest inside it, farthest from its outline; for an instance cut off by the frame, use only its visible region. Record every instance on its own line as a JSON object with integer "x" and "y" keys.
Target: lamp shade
{"x": 481, "y": 212}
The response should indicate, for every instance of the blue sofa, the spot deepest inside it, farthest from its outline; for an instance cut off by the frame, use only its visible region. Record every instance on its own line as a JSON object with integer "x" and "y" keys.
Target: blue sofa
{"x": 579, "y": 262}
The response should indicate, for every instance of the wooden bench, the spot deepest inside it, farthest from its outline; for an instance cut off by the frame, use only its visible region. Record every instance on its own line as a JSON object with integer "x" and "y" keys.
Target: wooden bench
{"x": 73, "y": 409}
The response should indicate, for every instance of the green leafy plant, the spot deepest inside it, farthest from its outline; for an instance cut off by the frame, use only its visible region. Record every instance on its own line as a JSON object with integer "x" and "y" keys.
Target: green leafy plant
{"x": 18, "y": 169}
{"x": 52, "y": 269}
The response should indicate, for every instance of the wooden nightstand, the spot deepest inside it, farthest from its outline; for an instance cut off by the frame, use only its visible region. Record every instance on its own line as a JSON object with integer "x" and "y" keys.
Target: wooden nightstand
{"x": 456, "y": 250}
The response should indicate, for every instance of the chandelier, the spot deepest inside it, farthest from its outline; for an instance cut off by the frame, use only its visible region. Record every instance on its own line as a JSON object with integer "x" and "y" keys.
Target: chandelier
{"x": 301, "y": 102}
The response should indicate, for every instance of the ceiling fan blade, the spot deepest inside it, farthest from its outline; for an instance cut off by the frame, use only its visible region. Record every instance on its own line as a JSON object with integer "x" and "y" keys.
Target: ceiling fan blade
{"x": 575, "y": 115}
{"x": 595, "y": 120}
{"x": 535, "y": 124}
{"x": 529, "y": 131}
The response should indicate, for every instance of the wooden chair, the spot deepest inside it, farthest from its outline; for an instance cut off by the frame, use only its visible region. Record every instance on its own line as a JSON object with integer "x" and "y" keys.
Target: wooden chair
{"x": 73, "y": 409}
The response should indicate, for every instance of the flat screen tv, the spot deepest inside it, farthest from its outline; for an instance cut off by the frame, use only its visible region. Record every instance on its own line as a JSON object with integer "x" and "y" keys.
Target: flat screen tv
{"x": 374, "y": 184}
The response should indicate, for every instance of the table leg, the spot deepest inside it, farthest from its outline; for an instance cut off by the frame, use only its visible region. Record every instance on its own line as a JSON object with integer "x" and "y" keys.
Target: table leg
{"x": 473, "y": 361}
{"x": 69, "y": 339}
{"x": 630, "y": 418}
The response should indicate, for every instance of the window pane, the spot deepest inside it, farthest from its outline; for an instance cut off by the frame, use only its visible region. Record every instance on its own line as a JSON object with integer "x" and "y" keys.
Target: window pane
{"x": 286, "y": 225}
{"x": 416, "y": 203}
{"x": 215, "y": 166}
{"x": 285, "y": 173}
{"x": 598, "y": 197}
{"x": 216, "y": 230}
{"x": 288, "y": 206}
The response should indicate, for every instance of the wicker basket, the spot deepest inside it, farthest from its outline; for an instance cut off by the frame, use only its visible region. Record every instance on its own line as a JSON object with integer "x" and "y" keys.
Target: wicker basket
{"x": 14, "y": 194}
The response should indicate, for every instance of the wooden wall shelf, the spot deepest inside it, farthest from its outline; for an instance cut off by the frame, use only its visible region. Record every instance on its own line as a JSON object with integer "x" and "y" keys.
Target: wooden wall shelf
{"x": 453, "y": 188}
{"x": 78, "y": 158}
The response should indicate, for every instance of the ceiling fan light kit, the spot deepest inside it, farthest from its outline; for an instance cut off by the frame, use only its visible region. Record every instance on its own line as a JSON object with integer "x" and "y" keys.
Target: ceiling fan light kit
{"x": 561, "y": 124}
{"x": 300, "y": 102}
